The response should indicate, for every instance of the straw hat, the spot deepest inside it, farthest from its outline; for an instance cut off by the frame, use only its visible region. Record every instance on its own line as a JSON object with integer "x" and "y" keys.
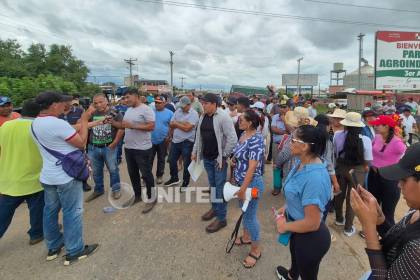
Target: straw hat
{"x": 292, "y": 118}
{"x": 353, "y": 119}
{"x": 338, "y": 113}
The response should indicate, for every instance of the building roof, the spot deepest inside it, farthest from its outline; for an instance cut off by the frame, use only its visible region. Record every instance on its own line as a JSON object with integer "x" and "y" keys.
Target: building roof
{"x": 248, "y": 90}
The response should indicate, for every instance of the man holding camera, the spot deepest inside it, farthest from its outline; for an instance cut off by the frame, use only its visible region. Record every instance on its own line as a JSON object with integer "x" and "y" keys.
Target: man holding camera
{"x": 102, "y": 147}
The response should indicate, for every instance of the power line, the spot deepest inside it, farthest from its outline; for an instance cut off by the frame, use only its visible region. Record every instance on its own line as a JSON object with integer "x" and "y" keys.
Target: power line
{"x": 274, "y": 15}
{"x": 363, "y": 6}
{"x": 130, "y": 63}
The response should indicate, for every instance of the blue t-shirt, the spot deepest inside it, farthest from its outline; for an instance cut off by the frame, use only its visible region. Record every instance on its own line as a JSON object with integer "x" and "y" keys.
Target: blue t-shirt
{"x": 251, "y": 149}
{"x": 163, "y": 118}
{"x": 309, "y": 186}
{"x": 278, "y": 123}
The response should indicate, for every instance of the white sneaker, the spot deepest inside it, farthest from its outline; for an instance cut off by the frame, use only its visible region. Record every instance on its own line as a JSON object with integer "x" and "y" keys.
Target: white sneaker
{"x": 350, "y": 232}
{"x": 342, "y": 223}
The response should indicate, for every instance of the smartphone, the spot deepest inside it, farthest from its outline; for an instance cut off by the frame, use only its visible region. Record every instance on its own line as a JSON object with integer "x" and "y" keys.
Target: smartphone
{"x": 353, "y": 177}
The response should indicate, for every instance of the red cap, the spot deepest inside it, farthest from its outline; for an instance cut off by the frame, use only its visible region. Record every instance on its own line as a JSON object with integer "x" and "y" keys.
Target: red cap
{"x": 384, "y": 120}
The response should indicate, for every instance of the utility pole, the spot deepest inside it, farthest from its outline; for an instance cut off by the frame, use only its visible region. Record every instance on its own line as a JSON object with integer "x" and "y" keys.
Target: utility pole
{"x": 171, "y": 63}
{"x": 360, "y": 38}
{"x": 182, "y": 83}
{"x": 298, "y": 75}
{"x": 130, "y": 63}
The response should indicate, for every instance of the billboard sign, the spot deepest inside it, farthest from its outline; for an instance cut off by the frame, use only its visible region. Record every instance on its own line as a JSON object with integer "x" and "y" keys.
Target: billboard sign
{"x": 304, "y": 79}
{"x": 397, "y": 60}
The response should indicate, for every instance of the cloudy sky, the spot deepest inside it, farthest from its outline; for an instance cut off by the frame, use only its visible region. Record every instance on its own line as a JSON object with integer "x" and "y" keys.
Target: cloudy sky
{"x": 213, "y": 48}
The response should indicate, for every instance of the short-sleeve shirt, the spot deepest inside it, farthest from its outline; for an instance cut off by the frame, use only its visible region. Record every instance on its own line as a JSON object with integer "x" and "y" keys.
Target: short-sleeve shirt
{"x": 392, "y": 153}
{"x": 13, "y": 116}
{"x": 53, "y": 133}
{"x": 20, "y": 160}
{"x": 408, "y": 123}
{"x": 277, "y": 122}
{"x": 251, "y": 149}
{"x": 340, "y": 138}
{"x": 103, "y": 134}
{"x": 134, "y": 138}
{"x": 180, "y": 116}
{"x": 163, "y": 118}
{"x": 309, "y": 186}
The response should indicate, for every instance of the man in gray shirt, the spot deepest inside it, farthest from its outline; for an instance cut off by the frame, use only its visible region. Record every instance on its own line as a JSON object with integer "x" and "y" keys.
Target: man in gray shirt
{"x": 139, "y": 122}
{"x": 183, "y": 124}
{"x": 216, "y": 138}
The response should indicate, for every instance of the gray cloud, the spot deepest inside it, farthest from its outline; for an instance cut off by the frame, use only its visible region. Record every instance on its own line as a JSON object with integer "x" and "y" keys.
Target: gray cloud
{"x": 211, "y": 48}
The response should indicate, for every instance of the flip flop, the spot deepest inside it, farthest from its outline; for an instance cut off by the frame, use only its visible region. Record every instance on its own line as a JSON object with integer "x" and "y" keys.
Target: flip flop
{"x": 242, "y": 242}
{"x": 254, "y": 257}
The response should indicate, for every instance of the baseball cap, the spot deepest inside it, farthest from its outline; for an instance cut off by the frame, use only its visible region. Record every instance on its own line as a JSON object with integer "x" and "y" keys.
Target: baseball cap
{"x": 211, "y": 97}
{"x": 160, "y": 99}
{"x": 231, "y": 101}
{"x": 369, "y": 113}
{"x": 4, "y": 100}
{"x": 384, "y": 120}
{"x": 184, "y": 101}
{"x": 408, "y": 165}
{"x": 258, "y": 105}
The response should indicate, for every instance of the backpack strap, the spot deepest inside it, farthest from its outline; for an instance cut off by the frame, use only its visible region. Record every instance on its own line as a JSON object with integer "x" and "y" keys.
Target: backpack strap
{"x": 55, "y": 154}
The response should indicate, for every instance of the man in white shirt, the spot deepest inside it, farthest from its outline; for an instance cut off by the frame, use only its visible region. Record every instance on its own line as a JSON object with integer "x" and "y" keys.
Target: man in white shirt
{"x": 408, "y": 122}
{"x": 61, "y": 190}
{"x": 413, "y": 104}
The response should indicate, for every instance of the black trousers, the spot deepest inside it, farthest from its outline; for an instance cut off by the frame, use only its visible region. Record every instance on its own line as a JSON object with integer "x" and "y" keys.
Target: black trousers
{"x": 307, "y": 251}
{"x": 140, "y": 161}
{"x": 160, "y": 151}
{"x": 387, "y": 193}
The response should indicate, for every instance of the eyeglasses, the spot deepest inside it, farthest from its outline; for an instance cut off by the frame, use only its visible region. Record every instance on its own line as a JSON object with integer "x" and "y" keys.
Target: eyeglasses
{"x": 294, "y": 140}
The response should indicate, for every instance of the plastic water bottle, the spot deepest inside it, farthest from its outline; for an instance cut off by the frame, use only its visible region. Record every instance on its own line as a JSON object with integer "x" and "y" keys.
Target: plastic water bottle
{"x": 109, "y": 209}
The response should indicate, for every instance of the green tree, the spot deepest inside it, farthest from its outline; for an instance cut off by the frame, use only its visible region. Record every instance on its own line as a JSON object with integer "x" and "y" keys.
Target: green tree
{"x": 35, "y": 60}
{"x": 11, "y": 63}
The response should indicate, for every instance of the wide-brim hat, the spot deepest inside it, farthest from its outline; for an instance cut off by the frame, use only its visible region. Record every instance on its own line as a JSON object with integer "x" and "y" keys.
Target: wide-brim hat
{"x": 293, "y": 118}
{"x": 338, "y": 113}
{"x": 353, "y": 119}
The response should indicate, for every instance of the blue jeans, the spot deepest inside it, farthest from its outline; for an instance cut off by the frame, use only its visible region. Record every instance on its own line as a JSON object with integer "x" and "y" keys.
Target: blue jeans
{"x": 217, "y": 179}
{"x": 69, "y": 198}
{"x": 250, "y": 220}
{"x": 183, "y": 149}
{"x": 119, "y": 151}
{"x": 99, "y": 157}
{"x": 8, "y": 205}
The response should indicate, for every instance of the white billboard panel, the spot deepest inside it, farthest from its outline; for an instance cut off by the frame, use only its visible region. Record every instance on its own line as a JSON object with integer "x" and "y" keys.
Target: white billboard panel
{"x": 397, "y": 61}
{"x": 304, "y": 79}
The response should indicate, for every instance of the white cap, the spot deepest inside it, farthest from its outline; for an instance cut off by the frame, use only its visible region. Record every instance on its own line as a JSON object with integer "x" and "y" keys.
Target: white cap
{"x": 258, "y": 105}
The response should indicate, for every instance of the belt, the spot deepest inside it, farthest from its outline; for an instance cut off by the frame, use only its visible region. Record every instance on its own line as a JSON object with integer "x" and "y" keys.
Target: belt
{"x": 100, "y": 145}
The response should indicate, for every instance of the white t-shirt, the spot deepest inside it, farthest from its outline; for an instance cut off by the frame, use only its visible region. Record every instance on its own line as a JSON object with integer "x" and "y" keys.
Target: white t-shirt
{"x": 53, "y": 133}
{"x": 134, "y": 138}
{"x": 407, "y": 123}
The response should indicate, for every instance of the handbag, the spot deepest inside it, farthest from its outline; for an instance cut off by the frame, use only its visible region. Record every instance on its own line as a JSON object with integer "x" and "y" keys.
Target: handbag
{"x": 74, "y": 164}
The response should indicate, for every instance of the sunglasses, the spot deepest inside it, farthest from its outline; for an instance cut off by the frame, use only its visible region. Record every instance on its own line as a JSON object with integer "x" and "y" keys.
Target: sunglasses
{"x": 294, "y": 140}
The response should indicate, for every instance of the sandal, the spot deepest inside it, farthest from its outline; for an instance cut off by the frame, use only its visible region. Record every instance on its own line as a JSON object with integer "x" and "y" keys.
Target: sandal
{"x": 242, "y": 242}
{"x": 245, "y": 264}
{"x": 276, "y": 192}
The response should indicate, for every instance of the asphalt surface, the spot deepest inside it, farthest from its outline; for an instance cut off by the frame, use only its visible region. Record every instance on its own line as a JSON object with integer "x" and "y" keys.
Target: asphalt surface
{"x": 170, "y": 242}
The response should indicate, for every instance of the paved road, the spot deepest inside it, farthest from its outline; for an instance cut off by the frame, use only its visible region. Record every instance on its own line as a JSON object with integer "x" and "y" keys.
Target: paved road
{"x": 170, "y": 243}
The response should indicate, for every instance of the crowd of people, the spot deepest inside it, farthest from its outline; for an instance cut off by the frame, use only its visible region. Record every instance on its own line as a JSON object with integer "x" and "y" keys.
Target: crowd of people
{"x": 319, "y": 161}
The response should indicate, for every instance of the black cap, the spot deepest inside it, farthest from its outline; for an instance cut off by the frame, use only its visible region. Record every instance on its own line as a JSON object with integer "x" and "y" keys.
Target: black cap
{"x": 244, "y": 101}
{"x": 231, "y": 100}
{"x": 408, "y": 165}
{"x": 369, "y": 113}
{"x": 211, "y": 97}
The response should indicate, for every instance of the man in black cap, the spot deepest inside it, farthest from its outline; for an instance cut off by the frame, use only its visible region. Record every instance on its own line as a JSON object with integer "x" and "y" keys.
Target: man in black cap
{"x": 62, "y": 192}
{"x": 242, "y": 105}
{"x": 215, "y": 140}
